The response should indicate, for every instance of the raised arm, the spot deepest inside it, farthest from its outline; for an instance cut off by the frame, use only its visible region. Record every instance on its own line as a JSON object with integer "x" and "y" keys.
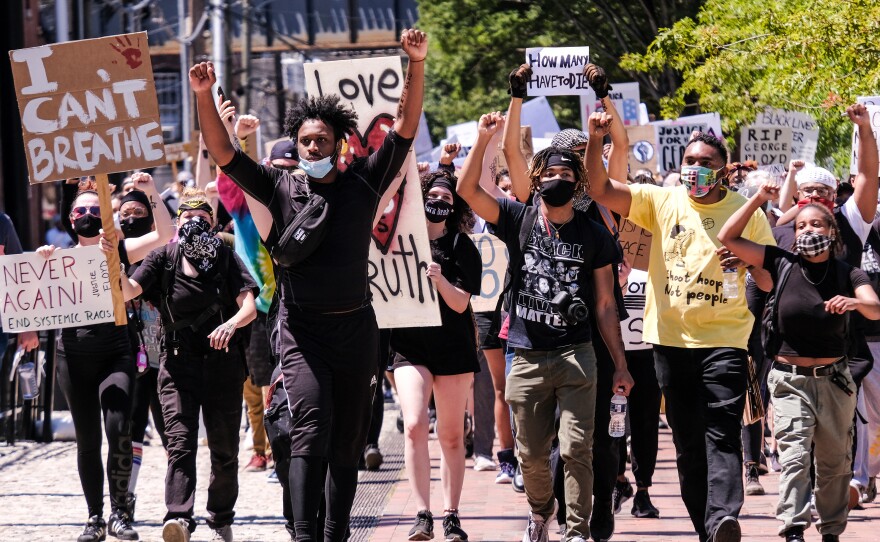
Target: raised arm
{"x": 730, "y": 236}
{"x": 490, "y": 168}
{"x": 201, "y": 79}
{"x": 469, "y": 187}
{"x": 789, "y": 187}
{"x": 516, "y": 162}
{"x": 138, "y": 247}
{"x": 618, "y": 159}
{"x": 866, "y": 181}
{"x": 611, "y": 193}
{"x": 415, "y": 45}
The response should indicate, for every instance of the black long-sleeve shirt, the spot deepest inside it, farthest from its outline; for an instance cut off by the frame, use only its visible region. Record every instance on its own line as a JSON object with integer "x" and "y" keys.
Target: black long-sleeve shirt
{"x": 334, "y": 276}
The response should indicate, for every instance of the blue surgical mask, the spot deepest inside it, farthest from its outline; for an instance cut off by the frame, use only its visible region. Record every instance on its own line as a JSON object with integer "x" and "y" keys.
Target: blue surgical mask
{"x": 318, "y": 169}
{"x": 699, "y": 180}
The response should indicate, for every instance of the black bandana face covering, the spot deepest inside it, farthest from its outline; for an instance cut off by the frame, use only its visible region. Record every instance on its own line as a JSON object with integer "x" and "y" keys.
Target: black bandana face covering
{"x": 199, "y": 244}
{"x": 437, "y": 210}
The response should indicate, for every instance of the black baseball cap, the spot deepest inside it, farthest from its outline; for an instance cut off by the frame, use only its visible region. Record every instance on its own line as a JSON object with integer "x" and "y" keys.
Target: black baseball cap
{"x": 284, "y": 150}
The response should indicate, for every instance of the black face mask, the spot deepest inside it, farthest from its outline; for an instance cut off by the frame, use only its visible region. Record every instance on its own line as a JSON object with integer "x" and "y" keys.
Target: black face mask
{"x": 557, "y": 192}
{"x": 87, "y": 226}
{"x": 135, "y": 227}
{"x": 437, "y": 210}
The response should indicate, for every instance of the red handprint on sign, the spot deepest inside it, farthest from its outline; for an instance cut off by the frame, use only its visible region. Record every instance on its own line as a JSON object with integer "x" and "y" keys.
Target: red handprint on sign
{"x": 128, "y": 50}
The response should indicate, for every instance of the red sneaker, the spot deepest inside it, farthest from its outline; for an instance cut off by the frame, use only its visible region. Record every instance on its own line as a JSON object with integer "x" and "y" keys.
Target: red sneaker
{"x": 257, "y": 463}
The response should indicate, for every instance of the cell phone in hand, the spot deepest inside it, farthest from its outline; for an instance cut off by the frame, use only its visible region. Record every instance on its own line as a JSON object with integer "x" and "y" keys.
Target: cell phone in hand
{"x": 221, "y": 93}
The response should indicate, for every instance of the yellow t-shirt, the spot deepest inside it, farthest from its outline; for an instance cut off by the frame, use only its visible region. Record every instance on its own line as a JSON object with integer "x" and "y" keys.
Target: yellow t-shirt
{"x": 685, "y": 306}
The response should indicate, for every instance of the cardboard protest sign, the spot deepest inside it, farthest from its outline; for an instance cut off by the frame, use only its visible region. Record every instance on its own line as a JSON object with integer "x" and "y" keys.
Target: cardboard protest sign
{"x": 493, "y": 253}
{"x": 874, "y": 115}
{"x": 804, "y": 131}
{"x": 626, "y": 99}
{"x": 177, "y": 152}
{"x": 672, "y": 139}
{"x": 557, "y": 71}
{"x": 88, "y": 107}
{"x": 766, "y": 145}
{"x": 525, "y": 146}
{"x": 70, "y": 289}
{"x": 636, "y": 244}
{"x": 642, "y": 148}
{"x": 402, "y": 295}
{"x": 634, "y": 298}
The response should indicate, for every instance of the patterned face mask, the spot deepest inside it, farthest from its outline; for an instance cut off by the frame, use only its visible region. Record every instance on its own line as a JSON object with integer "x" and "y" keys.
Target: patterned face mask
{"x": 810, "y": 243}
{"x": 199, "y": 245}
{"x": 699, "y": 180}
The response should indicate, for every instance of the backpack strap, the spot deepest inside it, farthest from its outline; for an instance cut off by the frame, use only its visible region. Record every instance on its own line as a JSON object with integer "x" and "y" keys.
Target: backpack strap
{"x": 530, "y": 218}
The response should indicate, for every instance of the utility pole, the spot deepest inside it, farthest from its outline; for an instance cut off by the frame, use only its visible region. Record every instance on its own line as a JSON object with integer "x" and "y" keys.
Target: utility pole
{"x": 218, "y": 39}
{"x": 185, "y": 92}
{"x": 246, "y": 30}
{"x": 62, "y": 22}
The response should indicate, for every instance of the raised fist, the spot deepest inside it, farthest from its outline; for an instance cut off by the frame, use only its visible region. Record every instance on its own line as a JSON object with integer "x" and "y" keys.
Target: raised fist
{"x": 519, "y": 81}
{"x": 597, "y": 79}
{"x": 202, "y": 77}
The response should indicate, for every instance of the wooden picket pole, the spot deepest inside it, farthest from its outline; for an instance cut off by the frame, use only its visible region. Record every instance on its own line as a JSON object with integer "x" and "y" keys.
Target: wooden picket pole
{"x": 113, "y": 262}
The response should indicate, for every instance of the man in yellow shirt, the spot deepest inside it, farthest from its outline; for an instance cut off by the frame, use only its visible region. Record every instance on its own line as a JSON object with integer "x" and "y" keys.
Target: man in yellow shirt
{"x": 699, "y": 333}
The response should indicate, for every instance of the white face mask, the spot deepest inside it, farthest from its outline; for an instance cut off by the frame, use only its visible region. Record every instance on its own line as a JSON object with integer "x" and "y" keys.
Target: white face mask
{"x": 318, "y": 169}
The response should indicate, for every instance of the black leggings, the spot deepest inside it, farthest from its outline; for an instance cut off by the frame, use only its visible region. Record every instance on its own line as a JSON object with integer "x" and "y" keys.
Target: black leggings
{"x": 94, "y": 384}
{"x": 146, "y": 400}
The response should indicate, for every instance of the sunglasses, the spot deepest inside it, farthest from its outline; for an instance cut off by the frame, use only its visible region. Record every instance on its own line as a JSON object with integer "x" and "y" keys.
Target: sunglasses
{"x": 138, "y": 212}
{"x": 78, "y": 212}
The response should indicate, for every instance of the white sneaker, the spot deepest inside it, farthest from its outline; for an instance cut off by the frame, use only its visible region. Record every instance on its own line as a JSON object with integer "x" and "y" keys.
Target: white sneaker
{"x": 175, "y": 530}
{"x": 482, "y": 462}
{"x": 536, "y": 530}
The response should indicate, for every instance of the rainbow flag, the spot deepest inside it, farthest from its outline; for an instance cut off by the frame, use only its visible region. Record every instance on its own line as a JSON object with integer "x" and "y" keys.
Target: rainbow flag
{"x": 247, "y": 241}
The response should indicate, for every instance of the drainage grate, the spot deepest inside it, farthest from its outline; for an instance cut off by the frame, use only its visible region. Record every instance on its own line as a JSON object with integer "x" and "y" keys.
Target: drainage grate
{"x": 375, "y": 486}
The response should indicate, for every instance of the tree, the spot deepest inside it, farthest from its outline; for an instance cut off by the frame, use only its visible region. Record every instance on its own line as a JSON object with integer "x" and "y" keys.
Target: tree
{"x": 475, "y": 43}
{"x": 738, "y": 56}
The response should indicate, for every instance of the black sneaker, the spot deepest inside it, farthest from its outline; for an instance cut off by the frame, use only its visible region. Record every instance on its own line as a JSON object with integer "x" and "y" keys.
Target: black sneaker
{"x": 452, "y": 530}
{"x": 119, "y": 525}
{"x": 423, "y": 528}
{"x": 795, "y": 534}
{"x": 643, "y": 507}
{"x": 602, "y": 522}
{"x": 518, "y": 484}
{"x": 95, "y": 531}
{"x": 830, "y": 538}
{"x": 728, "y": 530}
{"x": 130, "y": 502}
{"x": 621, "y": 493}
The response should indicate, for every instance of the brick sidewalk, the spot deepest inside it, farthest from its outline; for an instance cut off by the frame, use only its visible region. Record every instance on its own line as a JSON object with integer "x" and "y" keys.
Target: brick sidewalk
{"x": 492, "y": 512}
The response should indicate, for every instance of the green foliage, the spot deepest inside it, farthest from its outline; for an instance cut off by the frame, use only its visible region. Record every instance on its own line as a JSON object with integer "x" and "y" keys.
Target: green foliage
{"x": 738, "y": 56}
{"x": 474, "y": 44}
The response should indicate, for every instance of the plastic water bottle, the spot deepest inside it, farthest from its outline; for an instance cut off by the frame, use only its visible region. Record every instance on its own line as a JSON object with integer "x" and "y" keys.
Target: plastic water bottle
{"x": 27, "y": 380}
{"x": 730, "y": 286}
{"x": 617, "y": 425}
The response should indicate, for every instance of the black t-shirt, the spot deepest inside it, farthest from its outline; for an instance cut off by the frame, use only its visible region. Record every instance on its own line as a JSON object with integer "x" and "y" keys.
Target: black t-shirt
{"x": 104, "y": 338}
{"x": 550, "y": 264}
{"x": 334, "y": 276}
{"x": 806, "y": 328}
{"x": 189, "y": 297}
{"x": 450, "y": 348}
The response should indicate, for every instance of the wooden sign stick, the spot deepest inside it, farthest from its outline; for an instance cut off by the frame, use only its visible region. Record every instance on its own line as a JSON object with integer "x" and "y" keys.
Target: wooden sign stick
{"x": 109, "y": 227}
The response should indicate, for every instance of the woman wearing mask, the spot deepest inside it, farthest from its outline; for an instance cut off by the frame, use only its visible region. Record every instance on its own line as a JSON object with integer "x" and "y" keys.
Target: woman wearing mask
{"x": 440, "y": 359}
{"x": 136, "y": 220}
{"x": 96, "y": 371}
{"x": 813, "y": 392}
{"x": 205, "y": 296}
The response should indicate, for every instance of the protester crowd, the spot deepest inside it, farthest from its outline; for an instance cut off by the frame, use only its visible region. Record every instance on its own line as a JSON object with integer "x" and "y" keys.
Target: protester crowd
{"x": 795, "y": 328}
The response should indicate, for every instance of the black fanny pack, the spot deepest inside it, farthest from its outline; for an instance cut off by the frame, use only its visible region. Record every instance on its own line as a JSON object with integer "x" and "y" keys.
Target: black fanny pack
{"x": 302, "y": 235}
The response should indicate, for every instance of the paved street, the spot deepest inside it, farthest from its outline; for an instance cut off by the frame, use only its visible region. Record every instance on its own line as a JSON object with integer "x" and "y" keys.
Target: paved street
{"x": 41, "y": 500}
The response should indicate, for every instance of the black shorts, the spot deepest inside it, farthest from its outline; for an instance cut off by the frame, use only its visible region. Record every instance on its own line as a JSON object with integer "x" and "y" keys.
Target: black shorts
{"x": 488, "y": 326}
{"x": 330, "y": 369}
